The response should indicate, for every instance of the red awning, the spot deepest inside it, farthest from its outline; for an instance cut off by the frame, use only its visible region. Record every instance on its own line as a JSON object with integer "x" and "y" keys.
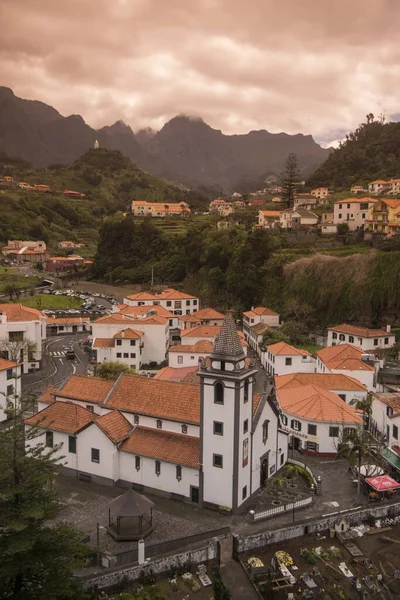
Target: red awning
{"x": 382, "y": 483}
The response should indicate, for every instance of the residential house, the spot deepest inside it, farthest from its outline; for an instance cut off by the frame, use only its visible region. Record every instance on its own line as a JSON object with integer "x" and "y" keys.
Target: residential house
{"x": 306, "y": 201}
{"x": 386, "y": 419}
{"x": 256, "y": 323}
{"x": 395, "y": 186}
{"x": 346, "y": 359}
{"x": 25, "y": 251}
{"x": 350, "y": 390}
{"x": 214, "y": 443}
{"x": 256, "y": 202}
{"x": 321, "y": 192}
{"x": 73, "y": 194}
{"x": 269, "y": 219}
{"x": 380, "y": 186}
{"x": 208, "y": 333}
{"x": 328, "y": 227}
{"x": 41, "y": 187}
{"x": 189, "y": 355}
{"x": 125, "y": 346}
{"x": 281, "y": 359}
{"x": 177, "y": 302}
{"x": 61, "y": 325}
{"x": 384, "y": 217}
{"x": 10, "y": 384}
{"x": 208, "y": 316}
{"x": 352, "y": 211}
{"x": 362, "y": 337}
{"x": 297, "y": 218}
{"x": 68, "y": 245}
{"x": 184, "y": 374}
{"x": 315, "y": 419}
{"x": 358, "y": 189}
{"x": 64, "y": 264}
{"x": 221, "y": 206}
{"x": 142, "y": 208}
{"x": 24, "y": 185}
{"x": 22, "y": 333}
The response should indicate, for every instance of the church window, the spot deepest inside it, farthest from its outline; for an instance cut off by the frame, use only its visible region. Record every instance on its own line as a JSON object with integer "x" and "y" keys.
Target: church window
{"x": 136, "y": 419}
{"x": 246, "y": 391}
{"x": 288, "y": 362}
{"x": 245, "y": 426}
{"x": 342, "y": 337}
{"x": 218, "y": 393}
{"x": 265, "y": 431}
{"x": 179, "y": 472}
{"x": 218, "y": 460}
{"x": 244, "y": 492}
{"x": 184, "y": 429}
{"x": 218, "y": 428}
{"x": 159, "y": 424}
{"x": 137, "y": 463}
{"x": 158, "y": 467}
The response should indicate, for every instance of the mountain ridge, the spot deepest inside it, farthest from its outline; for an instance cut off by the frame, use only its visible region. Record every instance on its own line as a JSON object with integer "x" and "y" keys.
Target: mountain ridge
{"x": 185, "y": 150}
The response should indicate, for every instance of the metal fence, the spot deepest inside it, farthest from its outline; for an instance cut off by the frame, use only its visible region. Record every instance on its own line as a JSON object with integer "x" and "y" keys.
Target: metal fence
{"x": 277, "y": 510}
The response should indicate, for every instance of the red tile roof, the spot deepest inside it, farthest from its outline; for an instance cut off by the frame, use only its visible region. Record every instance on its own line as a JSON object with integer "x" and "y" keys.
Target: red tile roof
{"x": 129, "y": 334}
{"x": 315, "y": 404}
{"x": 203, "y": 347}
{"x": 48, "y": 395}
{"x": 165, "y": 446}
{"x": 18, "y": 312}
{"x": 64, "y": 321}
{"x": 86, "y": 389}
{"x": 284, "y": 349}
{"x": 343, "y": 357}
{"x": 114, "y": 425}
{"x": 260, "y": 310}
{"x": 7, "y": 364}
{"x": 327, "y": 381}
{"x": 62, "y": 416}
{"x": 207, "y": 313}
{"x": 360, "y": 331}
{"x": 103, "y": 343}
{"x": 202, "y": 331}
{"x": 175, "y": 373}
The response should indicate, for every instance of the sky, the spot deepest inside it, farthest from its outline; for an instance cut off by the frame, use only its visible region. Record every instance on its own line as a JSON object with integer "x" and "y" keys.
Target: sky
{"x": 300, "y": 66}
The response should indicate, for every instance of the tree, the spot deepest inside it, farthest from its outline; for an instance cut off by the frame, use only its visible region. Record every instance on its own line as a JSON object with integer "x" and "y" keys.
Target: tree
{"x": 12, "y": 290}
{"x": 289, "y": 179}
{"x": 356, "y": 447}
{"x": 18, "y": 350}
{"x": 276, "y": 484}
{"x": 112, "y": 370}
{"x": 292, "y": 471}
{"x": 37, "y": 559}
{"x": 365, "y": 405}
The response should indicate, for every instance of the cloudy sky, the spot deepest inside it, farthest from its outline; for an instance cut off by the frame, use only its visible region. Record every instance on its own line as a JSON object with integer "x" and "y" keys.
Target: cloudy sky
{"x": 310, "y": 66}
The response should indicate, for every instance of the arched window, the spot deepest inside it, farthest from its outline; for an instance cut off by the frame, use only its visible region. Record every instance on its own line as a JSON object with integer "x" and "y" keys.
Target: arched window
{"x": 246, "y": 391}
{"x": 342, "y": 337}
{"x": 218, "y": 393}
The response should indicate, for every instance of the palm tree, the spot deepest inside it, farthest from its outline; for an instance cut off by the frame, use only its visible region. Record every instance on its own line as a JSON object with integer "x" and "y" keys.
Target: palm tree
{"x": 292, "y": 471}
{"x": 276, "y": 484}
{"x": 365, "y": 405}
{"x": 355, "y": 447}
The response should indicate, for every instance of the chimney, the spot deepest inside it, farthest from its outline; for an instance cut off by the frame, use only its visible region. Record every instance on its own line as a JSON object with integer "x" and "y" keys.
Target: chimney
{"x": 388, "y": 328}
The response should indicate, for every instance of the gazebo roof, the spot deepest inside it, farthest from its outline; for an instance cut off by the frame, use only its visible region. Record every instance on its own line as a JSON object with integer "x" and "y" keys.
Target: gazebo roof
{"x": 130, "y": 504}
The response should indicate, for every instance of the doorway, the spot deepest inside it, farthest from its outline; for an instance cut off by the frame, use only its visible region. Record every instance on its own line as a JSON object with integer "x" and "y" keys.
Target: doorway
{"x": 194, "y": 494}
{"x": 296, "y": 443}
{"x": 263, "y": 471}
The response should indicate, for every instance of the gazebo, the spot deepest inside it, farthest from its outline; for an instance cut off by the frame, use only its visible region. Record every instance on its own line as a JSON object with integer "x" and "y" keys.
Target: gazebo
{"x": 130, "y": 516}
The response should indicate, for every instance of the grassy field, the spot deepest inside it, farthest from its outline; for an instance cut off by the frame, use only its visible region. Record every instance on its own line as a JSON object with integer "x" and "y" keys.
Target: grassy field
{"x": 8, "y": 276}
{"x": 41, "y": 301}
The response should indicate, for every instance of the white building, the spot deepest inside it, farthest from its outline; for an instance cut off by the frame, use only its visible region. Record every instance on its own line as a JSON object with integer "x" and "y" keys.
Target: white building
{"x": 352, "y": 211}
{"x": 215, "y": 442}
{"x": 281, "y": 359}
{"x": 177, "y": 302}
{"x": 57, "y": 325}
{"x": 315, "y": 419}
{"x": 364, "y": 338}
{"x": 189, "y": 355}
{"x": 10, "y": 384}
{"x": 386, "y": 418}
{"x": 380, "y": 186}
{"x": 321, "y": 192}
{"x": 348, "y": 360}
{"x": 22, "y": 332}
{"x": 295, "y": 218}
{"x": 256, "y": 323}
{"x": 348, "y": 389}
{"x": 269, "y": 219}
{"x": 152, "y": 331}
{"x": 206, "y": 333}
{"x": 142, "y": 208}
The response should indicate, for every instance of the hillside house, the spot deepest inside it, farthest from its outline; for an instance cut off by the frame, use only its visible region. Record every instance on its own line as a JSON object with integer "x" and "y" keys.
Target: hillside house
{"x": 306, "y": 201}
{"x": 269, "y": 219}
{"x": 214, "y": 443}
{"x": 362, "y": 337}
{"x": 64, "y": 264}
{"x": 321, "y": 192}
{"x": 380, "y": 186}
{"x": 297, "y": 218}
{"x": 328, "y": 226}
{"x": 358, "y": 189}
{"x": 22, "y": 332}
{"x": 256, "y": 323}
{"x": 41, "y": 187}
{"x": 68, "y": 245}
{"x": 176, "y": 302}
{"x": 384, "y": 217}
{"x": 282, "y": 358}
{"x": 346, "y": 359}
{"x": 353, "y": 211}
{"x": 73, "y": 194}
{"x": 189, "y": 355}
{"x": 141, "y": 208}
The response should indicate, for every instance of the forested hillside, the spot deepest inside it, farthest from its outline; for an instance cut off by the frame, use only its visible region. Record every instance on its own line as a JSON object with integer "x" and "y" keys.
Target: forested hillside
{"x": 239, "y": 268}
{"x": 371, "y": 152}
{"x": 109, "y": 180}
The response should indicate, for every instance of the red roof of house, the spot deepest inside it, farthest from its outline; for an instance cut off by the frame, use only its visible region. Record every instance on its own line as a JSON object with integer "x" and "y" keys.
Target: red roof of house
{"x": 61, "y": 416}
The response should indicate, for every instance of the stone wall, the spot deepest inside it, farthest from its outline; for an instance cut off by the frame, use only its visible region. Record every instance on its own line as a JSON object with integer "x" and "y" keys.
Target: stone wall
{"x": 354, "y": 517}
{"x": 208, "y": 554}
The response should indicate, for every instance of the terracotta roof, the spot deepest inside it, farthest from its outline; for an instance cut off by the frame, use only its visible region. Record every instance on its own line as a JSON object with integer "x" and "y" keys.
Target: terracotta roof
{"x": 103, "y": 343}
{"x": 114, "y": 425}
{"x": 356, "y": 201}
{"x": 343, "y": 356}
{"x": 390, "y": 203}
{"x": 189, "y": 319}
{"x": 62, "y": 416}
{"x": 260, "y": 328}
{"x": 86, "y": 389}
{"x": 18, "y": 312}
{"x": 129, "y": 334}
{"x": 327, "y": 381}
{"x": 314, "y": 403}
{"x": 48, "y": 395}
{"x": 256, "y": 401}
{"x": 142, "y": 296}
{"x": 360, "y": 331}
{"x": 286, "y": 349}
{"x": 161, "y": 399}
{"x": 270, "y": 213}
{"x": 203, "y": 347}
{"x": 114, "y": 319}
{"x": 7, "y": 364}
{"x": 379, "y": 181}
{"x": 171, "y": 294}
{"x": 161, "y": 445}
{"x": 390, "y": 399}
{"x": 208, "y": 313}
{"x": 138, "y": 311}
{"x": 260, "y": 311}
{"x": 64, "y": 321}
{"x": 201, "y": 331}
{"x": 175, "y": 373}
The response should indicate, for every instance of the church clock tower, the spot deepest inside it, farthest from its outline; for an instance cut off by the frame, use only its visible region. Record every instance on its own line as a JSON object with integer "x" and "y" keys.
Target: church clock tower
{"x": 226, "y": 405}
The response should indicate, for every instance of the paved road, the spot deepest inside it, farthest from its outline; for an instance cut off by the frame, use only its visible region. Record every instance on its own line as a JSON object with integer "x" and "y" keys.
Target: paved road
{"x": 56, "y": 367}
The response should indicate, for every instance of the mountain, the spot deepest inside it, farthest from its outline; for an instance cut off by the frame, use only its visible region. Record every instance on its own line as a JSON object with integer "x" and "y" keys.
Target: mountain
{"x": 371, "y": 152}
{"x": 185, "y": 150}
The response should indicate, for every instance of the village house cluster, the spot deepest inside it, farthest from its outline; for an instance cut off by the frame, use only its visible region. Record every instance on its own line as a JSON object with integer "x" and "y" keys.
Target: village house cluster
{"x": 8, "y": 181}
{"x": 36, "y": 252}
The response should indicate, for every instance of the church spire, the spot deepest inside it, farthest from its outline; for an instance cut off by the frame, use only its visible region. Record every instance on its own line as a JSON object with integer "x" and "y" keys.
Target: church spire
{"x": 227, "y": 342}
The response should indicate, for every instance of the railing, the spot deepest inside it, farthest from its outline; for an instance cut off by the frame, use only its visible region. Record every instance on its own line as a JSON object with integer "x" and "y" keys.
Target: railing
{"x": 277, "y": 510}
{"x": 293, "y": 461}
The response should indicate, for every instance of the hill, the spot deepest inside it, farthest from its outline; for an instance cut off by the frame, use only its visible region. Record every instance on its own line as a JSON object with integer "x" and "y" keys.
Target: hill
{"x": 371, "y": 152}
{"x": 185, "y": 150}
{"x": 109, "y": 180}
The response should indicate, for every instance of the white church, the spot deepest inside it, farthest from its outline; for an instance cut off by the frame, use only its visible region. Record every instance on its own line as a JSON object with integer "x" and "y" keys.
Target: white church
{"x": 214, "y": 442}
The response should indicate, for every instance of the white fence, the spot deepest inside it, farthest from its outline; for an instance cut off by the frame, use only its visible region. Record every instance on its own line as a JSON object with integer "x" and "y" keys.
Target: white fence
{"x": 293, "y": 461}
{"x": 277, "y": 510}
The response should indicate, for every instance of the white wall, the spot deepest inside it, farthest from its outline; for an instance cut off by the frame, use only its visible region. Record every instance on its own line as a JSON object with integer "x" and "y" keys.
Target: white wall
{"x": 147, "y": 421}
{"x": 147, "y": 476}
{"x": 5, "y": 385}
{"x": 33, "y": 331}
{"x": 380, "y": 417}
{"x": 364, "y": 343}
{"x": 367, "y": 378}
{"x": 155, "y": 338}
{"x": 93, "y": 437}
{"x": 188, "y": 359}
{"x": 275, "y": 364}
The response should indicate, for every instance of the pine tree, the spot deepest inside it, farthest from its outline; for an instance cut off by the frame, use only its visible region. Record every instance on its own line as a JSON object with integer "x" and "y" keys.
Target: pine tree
{"x": 289, "y": 179}
{"x": 37, "y": 559}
